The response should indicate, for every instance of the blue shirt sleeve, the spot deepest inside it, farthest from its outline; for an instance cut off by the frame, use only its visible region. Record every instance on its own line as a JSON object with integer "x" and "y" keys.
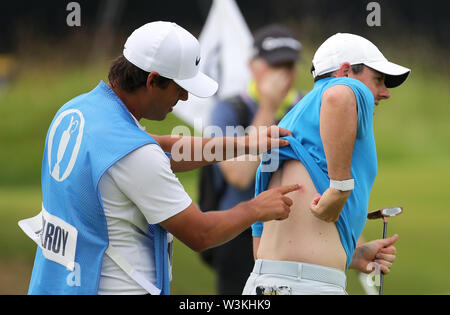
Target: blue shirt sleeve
{"x": 366, "y": 104}
{"x": 257, "y": 229}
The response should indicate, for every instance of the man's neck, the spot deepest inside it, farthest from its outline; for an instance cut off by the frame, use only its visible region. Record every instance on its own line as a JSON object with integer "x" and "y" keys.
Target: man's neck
{"x": 128, "y": 99}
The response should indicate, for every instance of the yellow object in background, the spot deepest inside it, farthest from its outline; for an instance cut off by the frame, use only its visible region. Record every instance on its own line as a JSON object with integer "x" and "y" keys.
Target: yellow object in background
{"x": 7, "y": 65}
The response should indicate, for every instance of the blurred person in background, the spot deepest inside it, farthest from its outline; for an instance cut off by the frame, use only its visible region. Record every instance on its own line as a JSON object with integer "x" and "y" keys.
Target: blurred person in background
{"x": 269, "y": 95}
{"x": 7, "y": 70}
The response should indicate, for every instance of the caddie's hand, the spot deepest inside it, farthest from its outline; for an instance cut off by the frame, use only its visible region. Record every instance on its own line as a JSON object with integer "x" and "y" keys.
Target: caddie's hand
{"x": 381, "y": 252}
{"x": 329, "y": 206}
{"x": 263, "y": 139}
{"x": 273, "y": 204}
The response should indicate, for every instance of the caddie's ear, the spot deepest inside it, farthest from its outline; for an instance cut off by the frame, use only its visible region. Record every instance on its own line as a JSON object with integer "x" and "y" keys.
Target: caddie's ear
{"x": 344, "y": 70}
{"x": 151, "y": 79}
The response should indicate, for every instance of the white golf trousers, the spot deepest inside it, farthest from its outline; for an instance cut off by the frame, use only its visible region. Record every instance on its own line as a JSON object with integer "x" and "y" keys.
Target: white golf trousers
{"x": 294, "y": 278}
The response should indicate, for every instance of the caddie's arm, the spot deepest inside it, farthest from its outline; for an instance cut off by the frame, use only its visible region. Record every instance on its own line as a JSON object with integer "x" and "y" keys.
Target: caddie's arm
{"x": 189, "y": 153}
{"x": 338, "y": 128}
{"x": 241, "y": 173}
{"x": 273, "y": 86}
{"x": 202, "y": 230}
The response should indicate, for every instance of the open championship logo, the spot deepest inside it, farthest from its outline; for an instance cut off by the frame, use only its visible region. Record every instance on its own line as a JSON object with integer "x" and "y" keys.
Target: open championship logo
{"x": 64, "y": 143}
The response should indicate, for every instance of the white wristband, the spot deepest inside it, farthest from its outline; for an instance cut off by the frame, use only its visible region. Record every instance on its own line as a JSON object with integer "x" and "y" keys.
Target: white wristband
{"x": 343, "y": 185}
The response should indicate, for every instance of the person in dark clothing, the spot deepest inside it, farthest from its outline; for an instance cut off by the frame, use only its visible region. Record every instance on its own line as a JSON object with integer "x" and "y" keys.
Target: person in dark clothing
{"x": 263, "y": 102}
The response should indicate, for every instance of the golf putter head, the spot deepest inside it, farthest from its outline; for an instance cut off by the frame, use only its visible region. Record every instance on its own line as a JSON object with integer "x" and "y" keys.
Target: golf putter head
{"x": 385, "y": 212}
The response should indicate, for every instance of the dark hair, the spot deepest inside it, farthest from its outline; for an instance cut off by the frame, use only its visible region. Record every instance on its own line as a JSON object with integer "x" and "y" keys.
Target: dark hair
{"x": 358, "y": 68}
{"x": 130, "y": 78}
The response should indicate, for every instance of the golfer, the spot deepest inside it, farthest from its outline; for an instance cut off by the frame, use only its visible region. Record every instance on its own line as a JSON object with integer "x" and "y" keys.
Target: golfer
{"x": 110, "y": 196}
{"x": 333, "y": 154}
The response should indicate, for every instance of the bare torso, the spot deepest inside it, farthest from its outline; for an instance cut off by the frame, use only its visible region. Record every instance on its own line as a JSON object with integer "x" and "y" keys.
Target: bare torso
{"x": 302, "y": 237}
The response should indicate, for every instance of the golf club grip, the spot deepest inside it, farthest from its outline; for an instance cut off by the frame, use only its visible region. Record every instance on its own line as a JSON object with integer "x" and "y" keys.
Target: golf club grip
{"x": 381, "y": 272}
{"x": 381, "y": 283}
{"x": 384, "y": 230}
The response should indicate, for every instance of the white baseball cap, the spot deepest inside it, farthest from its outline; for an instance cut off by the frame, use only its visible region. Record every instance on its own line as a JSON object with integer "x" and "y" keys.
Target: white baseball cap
{"x": 173, "y": 53}
{"x": 344, "y": 47}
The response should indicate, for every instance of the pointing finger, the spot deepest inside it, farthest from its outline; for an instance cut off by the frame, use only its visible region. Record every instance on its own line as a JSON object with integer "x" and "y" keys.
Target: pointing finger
{"x": 289, "y": 188}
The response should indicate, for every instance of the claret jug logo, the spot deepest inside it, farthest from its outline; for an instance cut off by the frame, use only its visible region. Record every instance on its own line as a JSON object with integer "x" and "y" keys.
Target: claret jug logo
{"x": 64, "y": 143}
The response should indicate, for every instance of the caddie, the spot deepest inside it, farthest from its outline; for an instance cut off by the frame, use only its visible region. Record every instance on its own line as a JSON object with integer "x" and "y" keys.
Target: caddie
{"x": 111, "y": 201}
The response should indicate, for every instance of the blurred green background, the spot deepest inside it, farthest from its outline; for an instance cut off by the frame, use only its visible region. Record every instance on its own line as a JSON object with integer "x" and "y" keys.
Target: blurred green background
{"x": 412, "y": 133}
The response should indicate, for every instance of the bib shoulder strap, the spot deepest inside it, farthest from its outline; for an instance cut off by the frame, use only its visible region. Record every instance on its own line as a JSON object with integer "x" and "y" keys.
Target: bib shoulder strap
{"x": 131, "y": 272}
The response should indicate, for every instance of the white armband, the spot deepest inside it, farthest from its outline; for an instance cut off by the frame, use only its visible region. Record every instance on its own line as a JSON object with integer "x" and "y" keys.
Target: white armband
{"x": 343, "y": 185}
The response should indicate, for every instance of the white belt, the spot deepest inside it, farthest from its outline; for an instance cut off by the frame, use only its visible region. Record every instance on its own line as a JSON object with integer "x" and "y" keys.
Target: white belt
{"x": 301, "y": 271}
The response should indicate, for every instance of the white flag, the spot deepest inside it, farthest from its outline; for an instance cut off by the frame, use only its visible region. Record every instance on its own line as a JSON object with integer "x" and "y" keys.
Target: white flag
{"x": 226, "y": 46}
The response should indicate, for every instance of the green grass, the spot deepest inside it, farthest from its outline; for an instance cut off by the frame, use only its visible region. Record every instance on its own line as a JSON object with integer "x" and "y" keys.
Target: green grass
{"x": 27, "y": 108}
{"x": 422, "y": 261}
{"x": 412, "y": 131}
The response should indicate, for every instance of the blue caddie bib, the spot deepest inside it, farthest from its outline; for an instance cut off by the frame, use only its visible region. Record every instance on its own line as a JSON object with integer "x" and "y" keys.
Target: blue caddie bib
{"x": 88, "y": 135}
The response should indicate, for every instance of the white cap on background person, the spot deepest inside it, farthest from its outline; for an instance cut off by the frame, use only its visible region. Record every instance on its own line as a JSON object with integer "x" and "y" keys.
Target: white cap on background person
{"x": 344, "y": 47}
{"x": 173, "y": 53}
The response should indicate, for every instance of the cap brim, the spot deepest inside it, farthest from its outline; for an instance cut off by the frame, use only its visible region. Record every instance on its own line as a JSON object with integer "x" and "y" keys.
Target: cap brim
{"x": 201, "y": 85}
{"x": 395, "y": 74}
{"x": 280, "y": 57}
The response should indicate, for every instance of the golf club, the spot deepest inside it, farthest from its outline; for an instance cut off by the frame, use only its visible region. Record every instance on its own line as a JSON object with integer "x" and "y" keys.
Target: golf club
{"x": 384, "y": 214}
